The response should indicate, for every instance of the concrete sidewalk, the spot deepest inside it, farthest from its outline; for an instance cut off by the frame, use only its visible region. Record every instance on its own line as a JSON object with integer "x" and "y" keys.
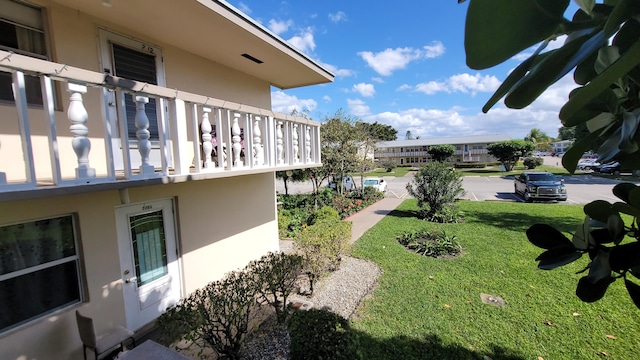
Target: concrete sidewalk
{"x": 366, "y": 218}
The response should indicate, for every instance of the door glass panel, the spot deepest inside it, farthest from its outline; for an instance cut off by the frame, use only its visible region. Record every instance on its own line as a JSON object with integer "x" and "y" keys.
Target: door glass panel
{"x": 149, "y": 246}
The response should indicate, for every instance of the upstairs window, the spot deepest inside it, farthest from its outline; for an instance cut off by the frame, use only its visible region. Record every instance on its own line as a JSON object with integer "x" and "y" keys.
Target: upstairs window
{"x": 22, "y": 32}
{"x": 39, "y": 269}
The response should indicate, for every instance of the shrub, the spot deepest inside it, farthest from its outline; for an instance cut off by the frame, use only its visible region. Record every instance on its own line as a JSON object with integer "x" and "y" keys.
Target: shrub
{"x": 322, "y": 247}
{"x": 532, "y": 162}
{"x": 428, "y": 243}
{"x": 321, "y": 334}
{"x": 325, "y": 213}
{"x": 276, "y": 274}
{"x": 216, "y": 316}
{"x": 435, "y": 186}
{"x": 389, "y": 165}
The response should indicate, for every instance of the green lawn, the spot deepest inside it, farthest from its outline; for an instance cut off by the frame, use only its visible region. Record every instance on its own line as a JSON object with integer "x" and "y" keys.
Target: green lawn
{"x": 397, "y": 172}
{"x": 431, "y": 308}
{"x": 495, "y": 171}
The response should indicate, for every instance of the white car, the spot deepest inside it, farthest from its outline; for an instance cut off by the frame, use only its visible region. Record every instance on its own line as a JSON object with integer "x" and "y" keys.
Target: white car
{"x": 378, "y": 184}
{"x": 347, "y": 184}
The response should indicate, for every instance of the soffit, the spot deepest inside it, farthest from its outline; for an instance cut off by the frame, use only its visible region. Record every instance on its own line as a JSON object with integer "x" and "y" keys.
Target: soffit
{"x": 214, "y": 30}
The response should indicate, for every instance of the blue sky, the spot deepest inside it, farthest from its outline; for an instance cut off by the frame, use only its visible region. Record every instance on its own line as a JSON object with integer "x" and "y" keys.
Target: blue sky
{"x": 400, "y": 64}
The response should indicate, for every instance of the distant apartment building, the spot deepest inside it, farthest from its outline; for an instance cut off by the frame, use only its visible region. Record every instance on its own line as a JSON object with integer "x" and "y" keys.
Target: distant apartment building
{"x": 415, "y": 152}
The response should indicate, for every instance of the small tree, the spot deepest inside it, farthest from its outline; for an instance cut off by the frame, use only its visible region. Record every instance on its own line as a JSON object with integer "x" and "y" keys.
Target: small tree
{"x": 389, "y": 165}
{"x": 436, "y": 186}
{"x": 532, "y": 162}
{"x": 296, "y": 175}
{"x": 441, "y": 153}
{"x": 508, "y": 152}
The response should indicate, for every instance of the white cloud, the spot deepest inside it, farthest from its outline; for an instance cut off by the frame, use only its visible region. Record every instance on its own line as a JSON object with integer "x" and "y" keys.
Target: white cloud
{"x": 366, "y": 90}
{"x": 326, "y": 98}
{"x": 284, "y": 103}
{"x": 377, "y": 79}
{"x": 456, "y": 121}
{"x": 464, "y": 83}
{"x": 337, "y": 17}
{"x": 279, "y": 27}
{"x": 390, "y": 60}
{"x": 304, "y": 41}
{"x": 244, "y": 8}
{"x": 404, "y": 87}
{"x": 434, "y": 50}
{"x": 336, "y": 71}
{"x": 358, "y": 107}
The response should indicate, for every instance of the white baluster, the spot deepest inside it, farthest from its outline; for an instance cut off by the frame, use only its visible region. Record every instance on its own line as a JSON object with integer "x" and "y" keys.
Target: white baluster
{"x": 143, "y": 134}
{"x": 279, "y": 144}
{"x": 3, "y": 175}
{"x": 235, "y": 139}
{"x": 257, "y": 142}
{"x": 207, "y": 146}
{"x": 307, "y": 146}
{"x": 296, "y": 148}
{"x": 81, "y": 144}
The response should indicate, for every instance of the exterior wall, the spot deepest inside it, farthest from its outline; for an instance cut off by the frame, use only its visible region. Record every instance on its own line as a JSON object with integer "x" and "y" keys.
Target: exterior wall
{"x": 74, "y": 41}
{"x": 221, "y": 225}
{"x": 418, "y": 155}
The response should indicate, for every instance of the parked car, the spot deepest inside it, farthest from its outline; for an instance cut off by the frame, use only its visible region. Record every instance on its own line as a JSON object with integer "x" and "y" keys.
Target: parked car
{"x": 614, "y": 168}
{"x": 347, "y": 183}
{"x": 378, "y": 184}
{"x": 588, "y": 164}
{"x": 540, "y": 186}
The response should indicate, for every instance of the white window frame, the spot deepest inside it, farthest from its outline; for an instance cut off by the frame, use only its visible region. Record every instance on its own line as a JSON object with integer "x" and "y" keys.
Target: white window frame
{"x": 77, "y": 258}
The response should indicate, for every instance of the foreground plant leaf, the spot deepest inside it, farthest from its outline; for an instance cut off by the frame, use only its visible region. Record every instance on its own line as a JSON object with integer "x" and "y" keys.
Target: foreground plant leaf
{"x": 558, "y": 256}
{"x": 634, "y": 291}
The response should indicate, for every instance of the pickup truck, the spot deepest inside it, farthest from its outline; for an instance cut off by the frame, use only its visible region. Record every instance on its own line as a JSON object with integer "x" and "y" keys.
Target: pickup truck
{"x": 540, "y": 186}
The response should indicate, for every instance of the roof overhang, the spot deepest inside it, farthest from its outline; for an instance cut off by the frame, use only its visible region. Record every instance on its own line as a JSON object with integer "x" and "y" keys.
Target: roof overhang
{"x": 215, "y": 30}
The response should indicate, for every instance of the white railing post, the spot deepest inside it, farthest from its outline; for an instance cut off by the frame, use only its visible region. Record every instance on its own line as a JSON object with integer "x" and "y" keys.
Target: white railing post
{"x": 143, "y": 134}
{"x": 77, "y": 115}
{"x": 207, "y": 145}
{"x": 279, "y": 144}
{"x": 307, "y": 145}
{"x": 181, "y": 158}
{"x": 296, "y": 145}
{"x": 257, "y": 142}
{"x": 235, "y": 138}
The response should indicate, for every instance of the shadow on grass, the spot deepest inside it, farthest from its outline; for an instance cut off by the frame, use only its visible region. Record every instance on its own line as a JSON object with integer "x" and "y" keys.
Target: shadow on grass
{"x": 321, "y": 334}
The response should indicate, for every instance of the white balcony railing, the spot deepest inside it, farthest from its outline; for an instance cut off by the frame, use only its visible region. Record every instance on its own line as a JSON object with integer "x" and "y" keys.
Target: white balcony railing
{"x": 199, "y": 137}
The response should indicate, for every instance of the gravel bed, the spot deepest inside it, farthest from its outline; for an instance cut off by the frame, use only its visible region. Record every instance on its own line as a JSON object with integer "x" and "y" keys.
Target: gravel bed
{"x": 342, "y": 292}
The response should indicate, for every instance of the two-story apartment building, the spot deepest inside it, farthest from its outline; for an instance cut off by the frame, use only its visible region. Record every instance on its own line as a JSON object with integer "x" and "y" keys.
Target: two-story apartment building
{"x": 138, "y": 153}
{"x": 415, "y": 152}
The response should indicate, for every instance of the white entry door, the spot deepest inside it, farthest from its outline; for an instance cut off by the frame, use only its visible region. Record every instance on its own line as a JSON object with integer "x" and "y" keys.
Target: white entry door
{"x": 148, "y": 259}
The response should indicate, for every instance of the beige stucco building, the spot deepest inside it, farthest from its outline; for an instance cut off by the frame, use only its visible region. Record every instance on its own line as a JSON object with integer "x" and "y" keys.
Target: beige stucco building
{"x": 137, "y": 159}
{"x": 415, "y": 152}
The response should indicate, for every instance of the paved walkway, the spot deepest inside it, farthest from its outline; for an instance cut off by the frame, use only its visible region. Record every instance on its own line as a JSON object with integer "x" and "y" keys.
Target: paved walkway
{"x": 365, "y": 219}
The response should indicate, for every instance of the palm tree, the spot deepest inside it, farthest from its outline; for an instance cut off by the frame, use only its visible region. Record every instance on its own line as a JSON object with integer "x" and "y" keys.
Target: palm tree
{"x": 540, "y": 139}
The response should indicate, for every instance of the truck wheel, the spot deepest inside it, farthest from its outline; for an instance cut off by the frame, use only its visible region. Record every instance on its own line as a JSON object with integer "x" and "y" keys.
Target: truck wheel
{"x": 526, "y": 196}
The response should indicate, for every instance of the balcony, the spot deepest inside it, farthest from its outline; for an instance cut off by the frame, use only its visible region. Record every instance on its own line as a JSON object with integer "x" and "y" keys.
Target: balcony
{"x": 47, "y": 152}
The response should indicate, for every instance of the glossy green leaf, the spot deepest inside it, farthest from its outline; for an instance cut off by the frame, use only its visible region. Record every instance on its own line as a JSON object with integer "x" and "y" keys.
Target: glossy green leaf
{"x": 601, "y": 236}
{"x": 634, "y": 197}
{"x": 599, "y": 210}
{"x": 589, "y": 292}
{"x": 599, "y": 268}
{"x": 611, "y": 147}
{"x": 558, "y": 256}
{"x": 628, "y": 35}
{"x": 552, "y": 69}
{"x": 634, "y": 291}
{"x": 575, "y": 152}
{"x": 546, "y": 236}
{"x": 622, "y": 190}
{"x": 496, "y": 30}
{"x": 624, "y": 257}
{"x": 515, "y": 76}
{"x": 625, "y": 63}
{"x": 586, "y": 5}
{"x": 628, "y": 132}
{"x": 626, "y": 209}
{"x": 581, "y": 238}
{"x": 621, "y": 13}
{"x": 615, "y": 225}
{"x": 585, "y": 71}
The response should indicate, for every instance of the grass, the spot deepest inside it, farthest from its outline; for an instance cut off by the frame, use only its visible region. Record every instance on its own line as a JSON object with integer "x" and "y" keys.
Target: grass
{"x": 495, "y": 171}
{"x": 397, "y": 172}
{"x": 431, "y": 308}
